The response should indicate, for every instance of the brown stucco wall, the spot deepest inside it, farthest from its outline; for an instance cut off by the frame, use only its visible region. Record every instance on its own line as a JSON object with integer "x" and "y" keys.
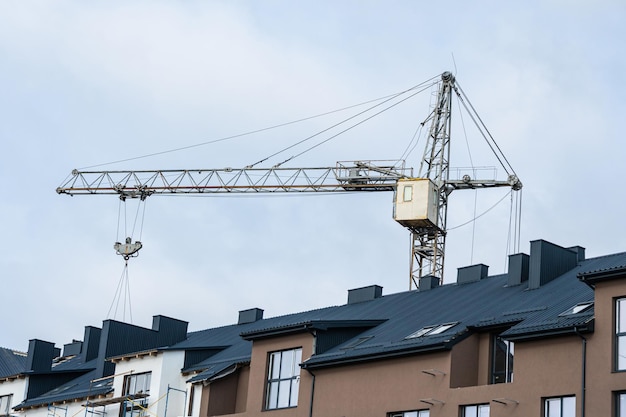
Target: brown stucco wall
{"x": 602, "y": 380}
{"x": 258, "y": 372}
{"x": 223, "y": 395}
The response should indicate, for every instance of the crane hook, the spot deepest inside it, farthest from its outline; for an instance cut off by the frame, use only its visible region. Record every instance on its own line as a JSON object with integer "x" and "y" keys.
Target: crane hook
{"x": 127, "y": 249}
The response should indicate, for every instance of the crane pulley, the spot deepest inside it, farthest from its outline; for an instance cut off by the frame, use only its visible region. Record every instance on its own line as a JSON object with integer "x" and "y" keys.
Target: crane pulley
{"x": 424, "y": 196}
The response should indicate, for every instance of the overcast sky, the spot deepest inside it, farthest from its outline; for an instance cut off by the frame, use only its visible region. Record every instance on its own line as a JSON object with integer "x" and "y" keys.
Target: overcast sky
{"x": 89, "y": 83}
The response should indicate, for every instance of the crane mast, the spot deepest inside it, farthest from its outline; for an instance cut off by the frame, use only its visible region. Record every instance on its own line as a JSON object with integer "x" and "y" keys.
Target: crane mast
{"x": 421, "y": 203}
{"x": 428, "y": 243}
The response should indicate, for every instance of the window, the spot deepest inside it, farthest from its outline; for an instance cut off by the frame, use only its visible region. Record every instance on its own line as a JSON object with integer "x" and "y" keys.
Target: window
{"x": 407, "y": 194}
{"x": 501, "y": 360}
{"x": 578, "y": 308}
{"x": 137, "y": 388}
{"x": 620, "y": 334}
{"x": 283, "y": 379}
{"x": 137, "y": 384}
{"x": 559, "y": 407}
{"x": 5, "y": 405}
{"x": 418, "y": 413}
{"x": 620, "y": 404}
{"x": 431, "y": 330}
{"x": 478, "y": 410}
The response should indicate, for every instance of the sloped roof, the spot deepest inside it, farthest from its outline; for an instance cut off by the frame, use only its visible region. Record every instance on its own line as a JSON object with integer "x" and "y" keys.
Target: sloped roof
{"x": 80, "y": 387}
{"x": 483, "y": 305}
{"x": 380, "y": 328}
{"x": 12, "y": 362}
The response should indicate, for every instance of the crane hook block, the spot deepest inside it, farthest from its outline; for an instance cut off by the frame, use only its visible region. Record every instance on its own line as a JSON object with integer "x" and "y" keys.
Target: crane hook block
{"x": 127, "y": 249}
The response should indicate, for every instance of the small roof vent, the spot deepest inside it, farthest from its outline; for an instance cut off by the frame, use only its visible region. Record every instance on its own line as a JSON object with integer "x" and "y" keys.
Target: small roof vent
{"x": 428, "y": 282}
{"x": 250, "y": 315}
{"x": 358, "y": 295}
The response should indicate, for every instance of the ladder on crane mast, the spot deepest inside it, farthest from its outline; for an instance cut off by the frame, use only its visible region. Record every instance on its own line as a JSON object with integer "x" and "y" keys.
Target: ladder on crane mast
{"x": 420, "y": 203}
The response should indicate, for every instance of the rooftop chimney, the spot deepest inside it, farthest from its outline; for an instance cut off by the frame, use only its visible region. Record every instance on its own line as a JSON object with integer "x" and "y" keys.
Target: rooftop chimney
{"x": 472, "y": 273}
{"x": 250, "y": 315}
{"x": 518, "y": 269}
{"x": 428, "y": 282}
{"x": 40, "y": 355}
{"x": 580, "y": 252}
{"x": 369, "y": 293}
{"x": 548, "y": 261}
{"x": 91, "y": 342}
{"x": 72, "y": 349}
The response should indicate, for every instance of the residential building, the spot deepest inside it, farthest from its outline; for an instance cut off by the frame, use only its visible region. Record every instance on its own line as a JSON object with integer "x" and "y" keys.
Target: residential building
{"x": 547, "y": 338}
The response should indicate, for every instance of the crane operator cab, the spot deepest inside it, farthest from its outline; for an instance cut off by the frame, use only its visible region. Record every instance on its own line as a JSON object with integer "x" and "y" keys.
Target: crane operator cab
{"x": 416, "y": 203}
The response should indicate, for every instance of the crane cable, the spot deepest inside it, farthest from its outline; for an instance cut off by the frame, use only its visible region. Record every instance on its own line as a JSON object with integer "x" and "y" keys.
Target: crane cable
{"x": 252, "y": 132}
{"x": 123, "y": 287}
{"x": 483, "y": 130}
{"x": 386, "y": 100}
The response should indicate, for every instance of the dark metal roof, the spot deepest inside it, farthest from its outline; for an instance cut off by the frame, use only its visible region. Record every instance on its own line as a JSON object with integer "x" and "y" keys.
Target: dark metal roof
{"x": 80, "y": 387}
{"x": 484, "y": 305}
{"x": 12, "y": 362}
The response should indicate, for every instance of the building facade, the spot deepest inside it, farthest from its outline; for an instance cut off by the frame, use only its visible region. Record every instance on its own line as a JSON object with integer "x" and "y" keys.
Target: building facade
{"x": 546, "y": 339}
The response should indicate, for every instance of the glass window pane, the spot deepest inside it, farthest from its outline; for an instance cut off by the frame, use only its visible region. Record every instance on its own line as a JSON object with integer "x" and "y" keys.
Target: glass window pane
{"x": 553, "y": 407}
{"x": 483, "y": 411}
{"x": 622, "y": 405}
{"x": 621, "y": 315}
{"x": 274, "y": 365}
{"x": 470, "y": 411}
{"x": 295, "y": 384}
{"x": 569, "y": 407}
{"x": 283, "y": 393}
{"x": 621, "y": 353}
{"x": 272, "y": 395}
{"x": 424, "y": 413}
{"x": 407, "y": 193}
{"x": 132, "y": 384}
{"x": 410, "y": 414}
{"x": 286, "y": 365}
{"x": 297, "y": 362}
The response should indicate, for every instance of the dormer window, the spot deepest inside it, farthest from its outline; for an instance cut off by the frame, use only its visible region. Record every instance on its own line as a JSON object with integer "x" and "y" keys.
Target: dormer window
{"x": 432, "y": 330}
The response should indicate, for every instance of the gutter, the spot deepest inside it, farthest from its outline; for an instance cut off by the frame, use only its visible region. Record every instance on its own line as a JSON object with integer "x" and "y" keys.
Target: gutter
{"x": 588, "y": 327}
{"x": 341, "y": 360}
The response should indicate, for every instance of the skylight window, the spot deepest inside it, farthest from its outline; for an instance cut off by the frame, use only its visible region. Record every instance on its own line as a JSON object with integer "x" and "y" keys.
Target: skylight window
{"x": 357, "y": 342}
{"x": 432, "y": 330}
{"x": 578, "y": 308}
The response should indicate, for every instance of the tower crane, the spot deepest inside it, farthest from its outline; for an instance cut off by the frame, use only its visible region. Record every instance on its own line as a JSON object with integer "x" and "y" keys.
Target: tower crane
{"x": 420, "y": 202}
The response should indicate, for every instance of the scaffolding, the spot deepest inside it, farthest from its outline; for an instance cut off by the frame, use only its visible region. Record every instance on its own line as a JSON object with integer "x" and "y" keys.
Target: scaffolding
{"x": 56, "y": 411}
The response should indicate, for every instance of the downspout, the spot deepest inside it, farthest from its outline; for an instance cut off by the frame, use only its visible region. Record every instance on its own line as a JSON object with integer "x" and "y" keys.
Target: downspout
{"x": 584, "y": 372}
{"x": 314, "y": 334}
{"x": 313, "y": 392}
